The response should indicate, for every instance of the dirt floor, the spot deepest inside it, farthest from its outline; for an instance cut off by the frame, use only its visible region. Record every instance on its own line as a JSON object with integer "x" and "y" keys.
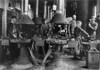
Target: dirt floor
{"x": 62, "y": 62}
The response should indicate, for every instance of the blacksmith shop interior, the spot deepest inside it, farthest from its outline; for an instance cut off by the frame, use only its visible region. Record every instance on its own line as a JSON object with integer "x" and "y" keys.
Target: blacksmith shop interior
{"x": 49, "y": 34}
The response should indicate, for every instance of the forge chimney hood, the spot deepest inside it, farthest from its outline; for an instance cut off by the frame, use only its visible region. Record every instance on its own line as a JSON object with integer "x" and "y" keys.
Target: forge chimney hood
{"x": 24, "y": 19}
{"x": 59, "y": 18}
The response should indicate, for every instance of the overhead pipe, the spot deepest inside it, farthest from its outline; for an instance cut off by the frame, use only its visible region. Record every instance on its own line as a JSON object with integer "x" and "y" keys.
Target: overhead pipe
{"x": 37, "y": 8}
{"x": 51, "y": 14}
{"x": 30, "y": 12}
{"x": 98, "y": 7}
{"x": 94, "y": 11}
{"x": 37, "y": 19}
{"x": 26, "y": 6}
{"x": 45, "y": 9}
{"x": 94, "y": 8}
{"x": 22, "y": 6}
{"x": 60, "y": 6}
{"x": 48, "y": 12}
{"x": 4, "y": 19}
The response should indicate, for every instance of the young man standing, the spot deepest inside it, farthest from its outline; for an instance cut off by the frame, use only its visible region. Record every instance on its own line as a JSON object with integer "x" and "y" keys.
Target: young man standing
{"x": 73, "y": 25}
{"x": 92, "y": 27}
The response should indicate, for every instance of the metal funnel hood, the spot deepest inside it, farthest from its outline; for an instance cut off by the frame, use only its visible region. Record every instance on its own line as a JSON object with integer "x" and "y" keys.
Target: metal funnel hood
{"x": 24, "y": 19}
{"x": 37, "y": 20}
{"x": 59, "y": 18}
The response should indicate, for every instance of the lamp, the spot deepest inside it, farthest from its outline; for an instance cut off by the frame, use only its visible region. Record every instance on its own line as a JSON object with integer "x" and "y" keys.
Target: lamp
{"x": 24, "y": 19}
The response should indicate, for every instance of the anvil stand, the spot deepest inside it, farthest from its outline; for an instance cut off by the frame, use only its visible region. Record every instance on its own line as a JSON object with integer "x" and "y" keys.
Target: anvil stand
{"x": 93, "y": 55}
{"x": 23, "y": 58}
{"x": 56, "y": 54}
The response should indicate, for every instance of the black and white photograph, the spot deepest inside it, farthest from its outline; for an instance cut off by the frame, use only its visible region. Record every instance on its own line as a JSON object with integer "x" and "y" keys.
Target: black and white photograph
{"x": 49, "y": 34}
